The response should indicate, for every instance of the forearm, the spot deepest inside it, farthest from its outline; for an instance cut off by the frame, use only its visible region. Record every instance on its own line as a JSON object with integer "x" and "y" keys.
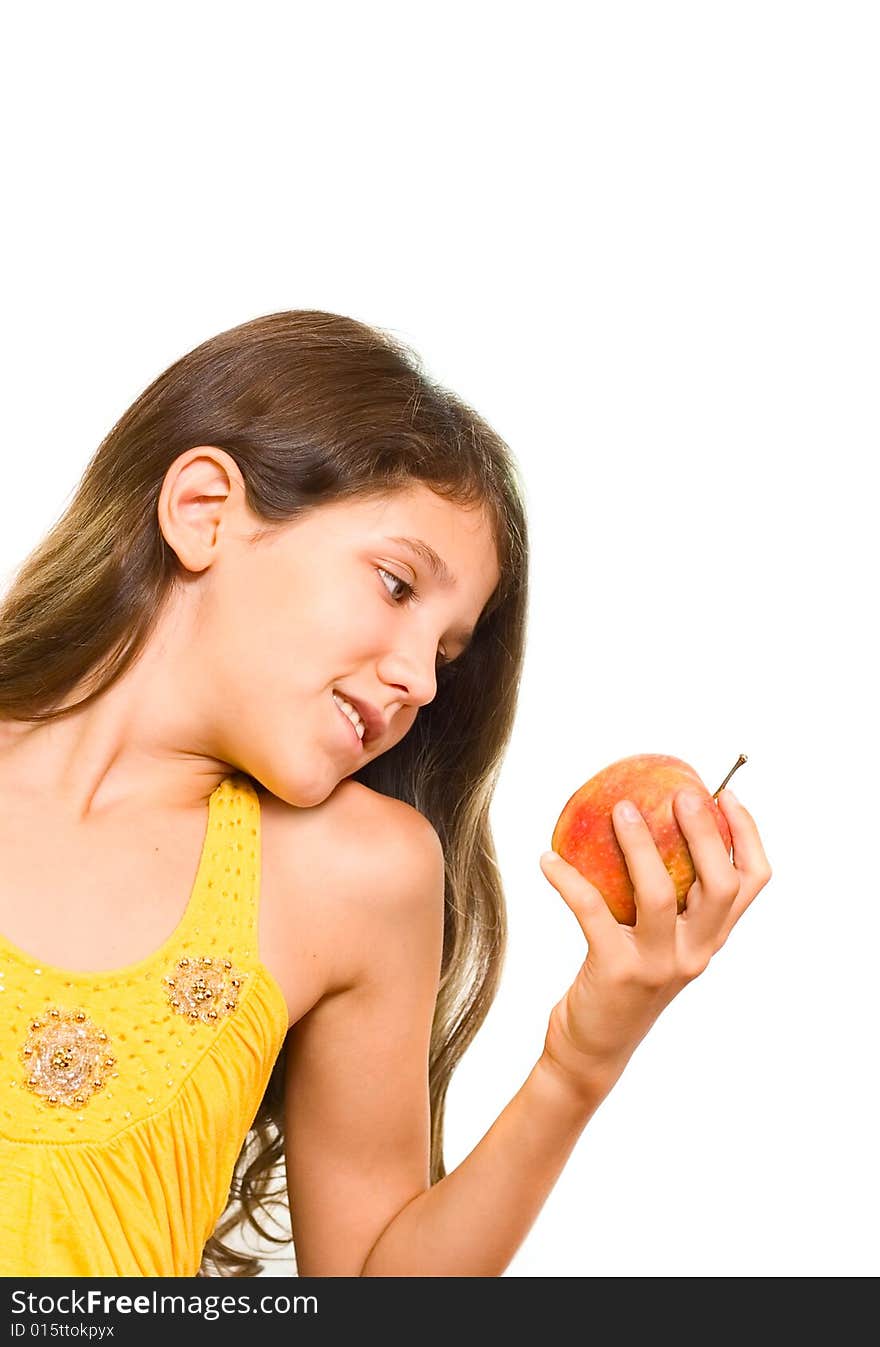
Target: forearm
{"x": 472, "y": 1222}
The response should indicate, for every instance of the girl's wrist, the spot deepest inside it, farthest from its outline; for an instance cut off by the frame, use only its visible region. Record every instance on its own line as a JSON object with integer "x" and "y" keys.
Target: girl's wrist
{"x": 581, "y": 1091}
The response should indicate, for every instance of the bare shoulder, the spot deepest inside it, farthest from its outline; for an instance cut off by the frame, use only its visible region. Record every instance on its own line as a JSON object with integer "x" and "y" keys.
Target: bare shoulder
{"x": 341, "y": 872}
{"x": 364, "y": 811}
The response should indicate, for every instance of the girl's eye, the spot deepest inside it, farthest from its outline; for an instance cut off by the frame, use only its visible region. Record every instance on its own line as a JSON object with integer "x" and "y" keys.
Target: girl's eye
{"x": 410, "y": 595}
{"x": 408, "y": 588}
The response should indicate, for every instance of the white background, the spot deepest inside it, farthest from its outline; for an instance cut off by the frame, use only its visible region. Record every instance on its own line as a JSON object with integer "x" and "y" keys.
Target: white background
{"x": 641, "y": 240}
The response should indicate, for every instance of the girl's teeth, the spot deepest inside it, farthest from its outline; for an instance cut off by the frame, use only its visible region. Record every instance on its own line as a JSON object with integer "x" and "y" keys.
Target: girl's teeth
{"x": 348, "y": 710}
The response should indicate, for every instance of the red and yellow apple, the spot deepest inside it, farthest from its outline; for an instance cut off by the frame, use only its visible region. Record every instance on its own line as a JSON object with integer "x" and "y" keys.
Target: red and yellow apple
{"x": 584, "y": 834}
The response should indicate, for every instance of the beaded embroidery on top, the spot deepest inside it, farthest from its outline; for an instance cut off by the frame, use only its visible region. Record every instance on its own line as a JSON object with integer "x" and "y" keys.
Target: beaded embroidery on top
{"x": 204, "y": 989}
{"x": 67, "y": 1056}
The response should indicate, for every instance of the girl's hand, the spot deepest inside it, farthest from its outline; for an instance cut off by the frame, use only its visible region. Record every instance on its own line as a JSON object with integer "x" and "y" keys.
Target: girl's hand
{"x": 632, "y": 972}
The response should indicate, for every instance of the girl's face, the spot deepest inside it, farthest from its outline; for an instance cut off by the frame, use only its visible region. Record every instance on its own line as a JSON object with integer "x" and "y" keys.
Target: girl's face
{"x": 337, "y": 601}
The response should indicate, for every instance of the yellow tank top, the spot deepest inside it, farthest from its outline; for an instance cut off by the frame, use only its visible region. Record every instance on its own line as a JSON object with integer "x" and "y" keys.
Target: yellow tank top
{"x": 126, "y": 1096}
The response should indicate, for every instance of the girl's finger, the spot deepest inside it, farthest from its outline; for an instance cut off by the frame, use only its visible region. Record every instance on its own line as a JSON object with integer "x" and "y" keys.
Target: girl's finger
{"x": 586, "y": 902}
{"x": 717, "y": 885}
{"x": 749, "y": 856}
{"x": 656, "y": 905}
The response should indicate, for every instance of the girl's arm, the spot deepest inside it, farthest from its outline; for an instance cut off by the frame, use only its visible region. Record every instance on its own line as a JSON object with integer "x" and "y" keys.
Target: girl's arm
{"x": 473, "y": 1221}
{"x": 360, "y": 1118}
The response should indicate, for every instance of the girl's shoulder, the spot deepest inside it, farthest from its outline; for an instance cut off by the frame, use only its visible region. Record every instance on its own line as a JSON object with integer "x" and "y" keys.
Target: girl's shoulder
{"x": 351, "y": 805}
{"x": 326, "y": 871}
{"x": 353, "y": 819}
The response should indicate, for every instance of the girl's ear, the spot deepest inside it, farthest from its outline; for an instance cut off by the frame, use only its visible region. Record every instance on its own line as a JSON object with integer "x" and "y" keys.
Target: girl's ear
{"x": 200, "y": 489}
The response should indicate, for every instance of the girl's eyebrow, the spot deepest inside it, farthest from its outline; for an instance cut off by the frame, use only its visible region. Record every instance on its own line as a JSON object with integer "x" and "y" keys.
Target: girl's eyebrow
{"x": 432, "y": 560}
{"x": 441, "y": 573}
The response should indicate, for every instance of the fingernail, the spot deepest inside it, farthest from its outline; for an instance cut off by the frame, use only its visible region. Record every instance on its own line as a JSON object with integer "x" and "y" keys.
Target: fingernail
{"x": 690, "y": 802}
{"x": 627, "y": 810}
{"x": 730, "y": 795}
{"x": 550, "y": 856}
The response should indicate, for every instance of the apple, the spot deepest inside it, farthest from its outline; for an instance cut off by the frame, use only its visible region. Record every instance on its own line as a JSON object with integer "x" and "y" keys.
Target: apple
{"x": 584, "y": 834}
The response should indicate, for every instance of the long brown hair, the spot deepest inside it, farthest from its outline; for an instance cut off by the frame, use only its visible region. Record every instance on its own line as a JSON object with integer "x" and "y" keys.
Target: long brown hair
{"x": 315, "y": 408}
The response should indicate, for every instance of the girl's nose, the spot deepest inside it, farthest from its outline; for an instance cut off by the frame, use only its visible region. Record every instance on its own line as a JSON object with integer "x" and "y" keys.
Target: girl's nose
{"x": 415, "y": 678}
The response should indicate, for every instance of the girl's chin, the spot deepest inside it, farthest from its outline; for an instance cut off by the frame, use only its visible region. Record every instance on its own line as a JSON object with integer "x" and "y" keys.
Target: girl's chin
{"x": 301, "y": 791}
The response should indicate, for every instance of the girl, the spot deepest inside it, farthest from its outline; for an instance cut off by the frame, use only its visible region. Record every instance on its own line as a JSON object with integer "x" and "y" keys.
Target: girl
{"x": 255, "y": 689}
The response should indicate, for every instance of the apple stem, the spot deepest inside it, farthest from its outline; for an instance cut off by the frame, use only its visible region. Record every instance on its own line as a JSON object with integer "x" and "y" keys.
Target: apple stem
{"x": 739, "y": 762}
